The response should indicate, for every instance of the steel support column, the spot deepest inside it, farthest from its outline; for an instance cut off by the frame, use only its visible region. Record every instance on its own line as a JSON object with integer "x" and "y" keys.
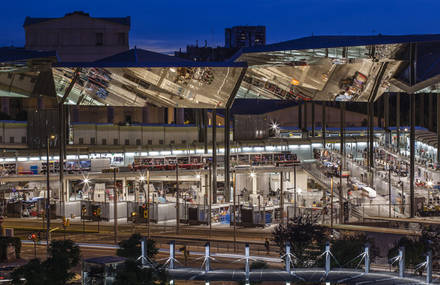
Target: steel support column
{"x": 61, "y": 140}
{"x": 371, "y": 142}
{"x": 342, "y": 163}
{"x": 177, "y": 199}
{"x": 227, "y": 187}
{"x": 282, "y": 197}
{"x": 313, "y": 119}
{"x": 412, "y": 80}
{"x": 430, "y": 111}
{"x": 386, "y": 110}
{"x": 227, "y": 135}
{"x": 412, "y": 140}
{"x": 324, "y": 123}
{"x": 422, "y": 109}
{"x": 205, "y": 130}
{"x": 300, "y": 126}
{"x": 214, "y": 155}
{"x": 398, "y": 122}
{"x": 306, "y": 115}
{"x": 62, "y": 136}
{"x": 438, "y": 128}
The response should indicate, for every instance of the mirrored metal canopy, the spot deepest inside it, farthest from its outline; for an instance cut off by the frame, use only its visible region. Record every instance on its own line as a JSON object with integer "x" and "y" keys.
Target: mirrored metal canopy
{"x": 139, "y": 77}
{"x": 322, "y": 68}
{"x": 26, "y": 73}
{"x": 331, "y": 68}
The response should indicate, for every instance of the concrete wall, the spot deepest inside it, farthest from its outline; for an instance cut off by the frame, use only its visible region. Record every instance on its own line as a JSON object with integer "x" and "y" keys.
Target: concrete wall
{"x": 74, "y": 37}
{"x": 13, "y": 132}
{"x": 288, "y": 117}
{"x": 139, "y": 135}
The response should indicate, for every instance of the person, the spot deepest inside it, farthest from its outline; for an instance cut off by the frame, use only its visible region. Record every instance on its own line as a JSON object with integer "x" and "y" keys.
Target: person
{"x": 267, "y": 246}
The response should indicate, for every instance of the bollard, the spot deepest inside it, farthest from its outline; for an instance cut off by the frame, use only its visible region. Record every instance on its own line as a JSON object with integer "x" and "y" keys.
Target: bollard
{"x": 429, "y": 267}
{"x": 207, "y": 257}
{"x": 327, "y": 258}
{"x": 367, "y": 258}
{"x": 288, "y": 258}
{"x": 401, "y": 261}
{"x": 246, "y": 253}
{"x": 172, "y": 254}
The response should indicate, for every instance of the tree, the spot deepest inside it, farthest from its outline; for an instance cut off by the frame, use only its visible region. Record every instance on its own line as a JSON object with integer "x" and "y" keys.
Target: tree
{"x": 306, "y": 238}
{"x": 130, "y": 273}
{"x": 65, "y": 249}
{"x": 63, "y": 255}
{"x": 347, "y": 250}
{"x": 32, "y": 272}
{"x": 131, "y": 248}
{"x": 414, "y": 251}
{"x": 416, "y": 248}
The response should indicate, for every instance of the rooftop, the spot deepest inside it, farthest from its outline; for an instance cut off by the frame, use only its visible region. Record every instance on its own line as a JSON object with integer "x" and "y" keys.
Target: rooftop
{"x": 118, "y": 20}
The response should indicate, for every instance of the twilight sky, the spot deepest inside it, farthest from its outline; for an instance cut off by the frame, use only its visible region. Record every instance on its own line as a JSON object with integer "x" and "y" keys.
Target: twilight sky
{"x": 166, "y": 25}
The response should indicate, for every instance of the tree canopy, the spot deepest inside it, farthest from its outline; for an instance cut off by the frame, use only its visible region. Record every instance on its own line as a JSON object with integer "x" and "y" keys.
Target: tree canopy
{"x": 63, "y": 255}
{"x": 131, "y": 248}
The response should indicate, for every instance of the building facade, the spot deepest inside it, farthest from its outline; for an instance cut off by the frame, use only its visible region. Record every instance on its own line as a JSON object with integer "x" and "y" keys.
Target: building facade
{"x": 78, "y": 37}
{"x": 245, "y": 36}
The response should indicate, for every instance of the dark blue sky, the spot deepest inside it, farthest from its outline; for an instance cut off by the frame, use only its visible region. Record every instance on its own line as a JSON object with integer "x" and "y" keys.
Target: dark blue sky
{"x": 165, "y": 25}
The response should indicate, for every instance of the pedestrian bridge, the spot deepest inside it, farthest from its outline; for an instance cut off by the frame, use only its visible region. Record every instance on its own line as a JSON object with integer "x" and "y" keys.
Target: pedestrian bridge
{"x": 312, "y": 275}
{"x": 292, "y": 275}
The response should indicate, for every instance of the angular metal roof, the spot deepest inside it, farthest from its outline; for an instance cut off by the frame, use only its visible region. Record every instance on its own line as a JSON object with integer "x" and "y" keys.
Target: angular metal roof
{"x": 322, "y": 68}
{"x": 25, "y": 73}
{"x": 330, "y": 68}
{"x": 139, "y": 77}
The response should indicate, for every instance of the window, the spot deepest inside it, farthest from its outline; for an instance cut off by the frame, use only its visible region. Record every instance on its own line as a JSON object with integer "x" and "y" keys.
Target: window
{"x": 138, "y": 141}
{"x": 99, "y": 39}
{"x": 150, "y": 142}
{"x": 11, "y": 140}
{"x": 172, "y": 142}
{"x": 115, "y": 141}
{"x": 92, "y": 141}
{"x": 160, "y": 141}
{"x": 104, "y": 141}
{"x": 1, "y": 139}
{"x": 127, "y": 142}
{"x": 183, "y": 141}
{"x": 23, "y": 139}
{"x": 122, "y": 39}
{"x": 81, "y": 141}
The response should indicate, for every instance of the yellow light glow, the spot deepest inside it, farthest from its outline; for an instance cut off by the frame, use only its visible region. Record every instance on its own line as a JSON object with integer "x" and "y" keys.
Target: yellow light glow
{"x": 294, "y": 82}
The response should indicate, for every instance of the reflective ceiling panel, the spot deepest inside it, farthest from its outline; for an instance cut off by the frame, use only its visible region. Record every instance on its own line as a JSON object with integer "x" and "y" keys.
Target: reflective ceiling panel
{"x": 25, "y": 73}
{"x": 183, "y": 87}
{"x": 326, "y": 74}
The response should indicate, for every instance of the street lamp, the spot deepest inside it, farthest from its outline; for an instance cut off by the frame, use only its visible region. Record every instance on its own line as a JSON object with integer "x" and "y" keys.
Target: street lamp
{"x": 429, "y": 187}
